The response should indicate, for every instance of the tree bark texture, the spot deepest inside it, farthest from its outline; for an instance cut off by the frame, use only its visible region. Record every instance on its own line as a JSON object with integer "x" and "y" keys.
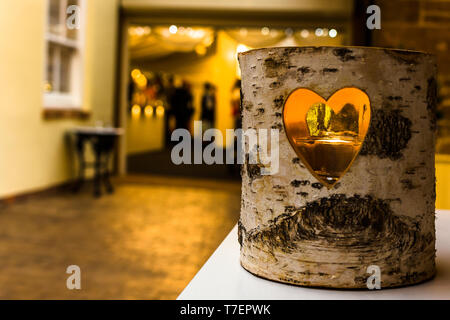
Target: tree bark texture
{"x": 382, "y": 211}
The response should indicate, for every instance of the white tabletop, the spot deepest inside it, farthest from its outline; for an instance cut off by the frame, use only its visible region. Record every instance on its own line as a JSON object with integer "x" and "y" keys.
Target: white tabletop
{"x": 222, "y": 277}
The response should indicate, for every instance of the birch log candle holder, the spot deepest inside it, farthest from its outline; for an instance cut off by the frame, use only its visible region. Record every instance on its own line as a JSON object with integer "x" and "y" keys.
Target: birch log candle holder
{"x": 356, "y": 182}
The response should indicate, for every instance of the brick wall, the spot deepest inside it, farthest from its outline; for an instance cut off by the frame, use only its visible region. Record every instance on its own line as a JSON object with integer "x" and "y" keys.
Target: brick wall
{"x": 421, "y": 25}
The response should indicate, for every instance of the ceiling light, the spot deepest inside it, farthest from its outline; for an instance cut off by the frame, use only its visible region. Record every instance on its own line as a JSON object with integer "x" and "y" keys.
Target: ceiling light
{"x": 304, "y": 33}
{"x": 148, "y": 111}
{"x": 173, "y": 29}
{"x": 332, "y": 33}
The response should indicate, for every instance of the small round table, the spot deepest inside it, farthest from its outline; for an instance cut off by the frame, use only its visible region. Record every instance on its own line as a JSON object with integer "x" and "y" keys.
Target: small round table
{"x": 103, "y": 141}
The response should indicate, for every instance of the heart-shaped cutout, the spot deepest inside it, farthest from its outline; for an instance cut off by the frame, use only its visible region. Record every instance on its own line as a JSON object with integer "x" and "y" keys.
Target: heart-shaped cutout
{"x": 327, "y": 135}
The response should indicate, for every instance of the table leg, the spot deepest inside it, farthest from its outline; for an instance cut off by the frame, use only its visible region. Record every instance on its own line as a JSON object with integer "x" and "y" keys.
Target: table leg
{"x": 81, "y": 164}
{"x": 97, "y": 174}
{"x": 106, "y": 176}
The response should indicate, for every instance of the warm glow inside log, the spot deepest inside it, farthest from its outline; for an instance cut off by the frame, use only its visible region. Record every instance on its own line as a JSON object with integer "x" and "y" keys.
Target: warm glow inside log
{"x": 327, "y": 134}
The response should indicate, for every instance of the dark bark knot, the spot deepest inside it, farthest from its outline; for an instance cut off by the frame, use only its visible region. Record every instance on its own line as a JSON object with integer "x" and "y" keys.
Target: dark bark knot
{"x": 347, "y": 222}
{"x": 329, "y": 70}
{"x": 260, "y": 111}
{"x": 278, "y": 102}
{"x": 275, "y": 85}
{"x": 298, "y": 183}
{"x": 344, "y": 54}
{"x": 388, "y": 135}
{"x": 247, "y": 105}
{"x": 275, "y": 67}
{"x": 253, "y": 170}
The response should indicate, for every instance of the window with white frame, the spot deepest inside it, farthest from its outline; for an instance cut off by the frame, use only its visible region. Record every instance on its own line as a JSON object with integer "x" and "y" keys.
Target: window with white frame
{"x": 64, "y": 38}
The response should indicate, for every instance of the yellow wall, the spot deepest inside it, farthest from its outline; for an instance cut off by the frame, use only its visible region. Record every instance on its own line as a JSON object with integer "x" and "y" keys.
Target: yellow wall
{"x": 33, "y": 151}
{"x": 144, "y": 134}
{"x": 443, "y": 182}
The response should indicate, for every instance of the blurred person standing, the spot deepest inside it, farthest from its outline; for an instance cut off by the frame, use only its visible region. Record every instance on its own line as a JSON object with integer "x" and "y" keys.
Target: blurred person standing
{"x": 208, "y": 106}
{"x": 182, "y": 106}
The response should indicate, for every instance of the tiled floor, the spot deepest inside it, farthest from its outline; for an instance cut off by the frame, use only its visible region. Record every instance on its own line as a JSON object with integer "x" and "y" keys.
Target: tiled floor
{"x": 146, "y": 241}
